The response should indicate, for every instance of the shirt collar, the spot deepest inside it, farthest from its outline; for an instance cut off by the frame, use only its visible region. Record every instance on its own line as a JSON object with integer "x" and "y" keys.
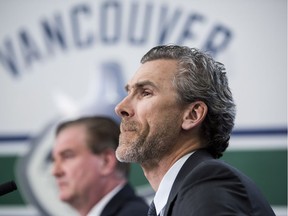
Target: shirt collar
{"x": 98, "y": 208}
{"x": 162, "y": 194}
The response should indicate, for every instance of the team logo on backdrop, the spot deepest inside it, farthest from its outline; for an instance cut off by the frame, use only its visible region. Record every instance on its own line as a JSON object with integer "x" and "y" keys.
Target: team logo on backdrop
{"x": 135, "y": 24}
{"x": 85, "y": 27}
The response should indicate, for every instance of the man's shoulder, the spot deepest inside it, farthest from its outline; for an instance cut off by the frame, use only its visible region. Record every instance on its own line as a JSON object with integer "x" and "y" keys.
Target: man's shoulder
{"x": 127, "y": 202}
{"x": 214, "y": 184}
{"x": 215, "y": 168}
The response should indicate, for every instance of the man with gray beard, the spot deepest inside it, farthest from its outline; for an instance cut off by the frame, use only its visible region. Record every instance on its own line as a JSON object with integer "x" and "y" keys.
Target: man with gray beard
{"x": 176, "y": 122}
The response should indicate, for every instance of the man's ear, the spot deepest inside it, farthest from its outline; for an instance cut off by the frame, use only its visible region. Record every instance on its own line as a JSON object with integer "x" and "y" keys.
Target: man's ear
{"x": 109, "y": 162}
{"x": 194, "y": 114}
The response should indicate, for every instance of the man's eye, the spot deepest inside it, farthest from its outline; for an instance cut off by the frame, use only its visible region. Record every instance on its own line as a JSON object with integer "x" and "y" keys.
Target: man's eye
{"x": 146, "y": 93}
{"x": 68, "y": 155}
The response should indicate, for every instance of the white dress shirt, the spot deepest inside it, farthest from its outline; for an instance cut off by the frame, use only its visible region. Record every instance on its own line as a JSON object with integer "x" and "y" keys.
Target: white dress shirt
{"x": 162, "y": 194}
{"x": 98, "y": 208}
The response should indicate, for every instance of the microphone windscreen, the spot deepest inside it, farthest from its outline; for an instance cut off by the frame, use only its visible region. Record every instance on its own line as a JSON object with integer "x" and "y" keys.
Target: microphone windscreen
{"x": 7, "y": 187}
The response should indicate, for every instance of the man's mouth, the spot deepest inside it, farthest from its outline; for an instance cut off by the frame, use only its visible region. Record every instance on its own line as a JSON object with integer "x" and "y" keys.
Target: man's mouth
{"x": 128, "y": 127}
{"x": 62, "y": 184}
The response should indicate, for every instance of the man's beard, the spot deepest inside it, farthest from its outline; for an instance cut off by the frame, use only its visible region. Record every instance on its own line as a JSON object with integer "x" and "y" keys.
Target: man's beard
{"x": 142, "y": 146}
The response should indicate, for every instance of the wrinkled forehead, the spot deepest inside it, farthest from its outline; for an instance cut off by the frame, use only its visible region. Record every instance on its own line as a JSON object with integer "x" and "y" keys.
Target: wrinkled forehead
{"x": 156, "y": 72}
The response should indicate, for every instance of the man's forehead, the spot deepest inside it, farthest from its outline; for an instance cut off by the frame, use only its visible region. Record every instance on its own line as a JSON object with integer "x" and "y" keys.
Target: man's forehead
{"x": 153, "y": 73}
{"x": 140, "y": 84}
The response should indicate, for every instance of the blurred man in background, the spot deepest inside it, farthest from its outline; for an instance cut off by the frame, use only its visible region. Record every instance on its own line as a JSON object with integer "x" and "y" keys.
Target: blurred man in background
{"x": 89, "y": 177}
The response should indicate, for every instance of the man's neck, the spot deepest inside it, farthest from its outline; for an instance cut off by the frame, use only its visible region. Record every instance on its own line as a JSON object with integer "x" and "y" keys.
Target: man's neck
{"x": 155, "y": 170}
{"x": 87, "y": 204}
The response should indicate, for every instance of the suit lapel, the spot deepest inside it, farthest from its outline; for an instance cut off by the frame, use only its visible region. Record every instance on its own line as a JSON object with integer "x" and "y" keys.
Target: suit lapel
{"x": 118, "y": 200}
{"x": 195, "y": 159}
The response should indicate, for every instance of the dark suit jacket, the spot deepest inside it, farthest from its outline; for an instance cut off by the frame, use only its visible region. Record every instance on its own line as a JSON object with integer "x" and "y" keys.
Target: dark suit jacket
{"x": 126, "y": 203}
{"x": 208, "y": 187}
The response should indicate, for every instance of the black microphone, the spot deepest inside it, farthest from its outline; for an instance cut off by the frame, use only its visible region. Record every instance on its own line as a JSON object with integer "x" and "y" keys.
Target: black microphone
{"x": 7, "y": 187}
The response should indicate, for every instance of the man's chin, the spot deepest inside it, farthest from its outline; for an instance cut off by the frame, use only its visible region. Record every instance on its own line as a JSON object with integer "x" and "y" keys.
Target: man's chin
{"x": 123, "y": 156}
{"x": 64, "y": 197}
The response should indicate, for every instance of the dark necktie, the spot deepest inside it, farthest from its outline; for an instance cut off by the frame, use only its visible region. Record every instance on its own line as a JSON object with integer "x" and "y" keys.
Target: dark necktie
{"x": 152, "y": 210}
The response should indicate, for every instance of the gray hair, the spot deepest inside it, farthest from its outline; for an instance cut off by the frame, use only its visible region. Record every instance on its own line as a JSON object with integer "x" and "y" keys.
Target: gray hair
{"x": 202, "y": 78}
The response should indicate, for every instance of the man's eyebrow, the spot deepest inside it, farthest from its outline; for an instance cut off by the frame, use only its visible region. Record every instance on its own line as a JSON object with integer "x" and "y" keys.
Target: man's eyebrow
{"x": 140, "y": 84}
{"x": 67, "y": 151}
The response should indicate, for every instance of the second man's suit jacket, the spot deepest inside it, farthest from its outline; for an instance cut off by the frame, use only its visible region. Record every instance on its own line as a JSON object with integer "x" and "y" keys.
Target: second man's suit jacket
{"x": 126, "y": 203}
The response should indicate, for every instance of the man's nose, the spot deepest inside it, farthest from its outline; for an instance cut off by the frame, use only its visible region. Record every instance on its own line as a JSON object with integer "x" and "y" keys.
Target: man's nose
{"x": 57, "y": 169}
{"x": 124, "y": 108}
